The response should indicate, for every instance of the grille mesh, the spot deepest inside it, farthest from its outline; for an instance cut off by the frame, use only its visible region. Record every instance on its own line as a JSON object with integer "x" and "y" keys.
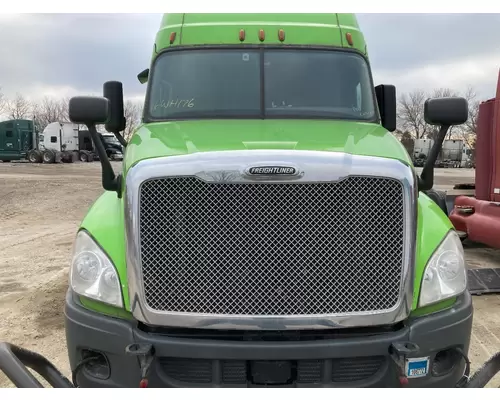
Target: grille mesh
{"x": 270, "y": 248}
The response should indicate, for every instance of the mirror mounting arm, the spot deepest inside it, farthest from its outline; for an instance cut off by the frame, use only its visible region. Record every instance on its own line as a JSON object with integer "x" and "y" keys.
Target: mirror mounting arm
{"x": 426, "y": 179}
{"x": 110, "y": 181}
{"x": 121, "y": 139}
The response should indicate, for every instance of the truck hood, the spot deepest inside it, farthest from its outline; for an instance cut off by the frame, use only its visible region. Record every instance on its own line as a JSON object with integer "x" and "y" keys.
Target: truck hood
{"x": 186, "y": 137}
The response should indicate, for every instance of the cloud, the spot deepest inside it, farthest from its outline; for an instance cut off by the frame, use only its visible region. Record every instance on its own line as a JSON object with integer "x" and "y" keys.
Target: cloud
{"x": 480, "y": 73}
{"x": 67, "y": 54}
{"x": 74, "y": 53}
{"x": 427, "y": 51}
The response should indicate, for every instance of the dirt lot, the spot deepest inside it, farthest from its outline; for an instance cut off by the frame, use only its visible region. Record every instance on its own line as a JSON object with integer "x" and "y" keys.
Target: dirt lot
{"x": 41, "y": 207}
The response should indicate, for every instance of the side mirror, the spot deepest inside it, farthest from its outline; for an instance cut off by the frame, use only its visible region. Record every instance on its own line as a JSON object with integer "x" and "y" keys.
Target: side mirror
{"x": 446, "y": 111}
{"x": 88, "y": 110}
{"x": 113, "y": 91}
{"x": 92, "y": 111}
{"x": 386, "y": 99}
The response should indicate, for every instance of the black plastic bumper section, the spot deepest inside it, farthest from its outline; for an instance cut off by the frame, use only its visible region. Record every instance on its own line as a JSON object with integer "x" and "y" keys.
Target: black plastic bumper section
{"x": 354, "y": 370}
{"x": 352, "y": 361}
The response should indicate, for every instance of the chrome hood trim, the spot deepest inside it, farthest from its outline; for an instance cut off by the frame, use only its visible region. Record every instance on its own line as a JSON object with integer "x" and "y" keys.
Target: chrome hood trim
{"x": 233, "y": 166}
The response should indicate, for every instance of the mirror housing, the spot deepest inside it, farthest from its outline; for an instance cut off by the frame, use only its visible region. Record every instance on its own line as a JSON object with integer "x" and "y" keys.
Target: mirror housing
{"x": 88, "y": 110}
{"x": 386, "y": 100}
{"x": 446, "y": 111}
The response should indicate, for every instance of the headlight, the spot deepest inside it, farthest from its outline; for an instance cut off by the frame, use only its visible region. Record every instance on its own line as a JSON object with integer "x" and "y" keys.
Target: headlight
{"x": 445, "y": 274}
{"x": 92, "y": 274}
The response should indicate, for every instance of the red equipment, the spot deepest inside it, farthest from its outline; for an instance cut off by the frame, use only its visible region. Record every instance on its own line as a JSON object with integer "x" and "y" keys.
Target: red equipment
{"x": 479, "y": 216}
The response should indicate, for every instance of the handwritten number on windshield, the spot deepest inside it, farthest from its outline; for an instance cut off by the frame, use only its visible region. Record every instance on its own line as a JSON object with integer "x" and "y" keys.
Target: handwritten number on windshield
{"x": 175, "y": 104}
{"x": 166, "y": 92}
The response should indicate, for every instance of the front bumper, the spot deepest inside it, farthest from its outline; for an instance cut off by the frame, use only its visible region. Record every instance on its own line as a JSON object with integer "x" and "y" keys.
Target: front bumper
{"x": 354, "y": 360}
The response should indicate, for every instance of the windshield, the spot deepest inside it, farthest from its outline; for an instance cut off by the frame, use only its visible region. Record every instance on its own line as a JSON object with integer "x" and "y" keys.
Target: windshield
{"x": 110, "y": 139}
{"x": 250, "y": 83}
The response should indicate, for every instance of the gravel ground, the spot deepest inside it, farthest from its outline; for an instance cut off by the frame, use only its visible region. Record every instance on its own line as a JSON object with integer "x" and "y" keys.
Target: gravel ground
{"x": 41, "y": 207}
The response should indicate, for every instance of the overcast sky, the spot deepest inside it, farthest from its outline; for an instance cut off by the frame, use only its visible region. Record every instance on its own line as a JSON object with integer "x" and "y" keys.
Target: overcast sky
{"x": 67, "y": 54}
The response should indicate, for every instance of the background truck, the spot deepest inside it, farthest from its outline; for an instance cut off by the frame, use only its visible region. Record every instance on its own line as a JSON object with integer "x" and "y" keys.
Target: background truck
{"x": 63, "y": 141}
{"x": 113, "y": 147}
{"x": 421, "y": 150}
{"x": 266, "y": 228}
{"x": 453, "y": 154}
{"x": 68, "y": 142}
{"x": 17, "y": 138}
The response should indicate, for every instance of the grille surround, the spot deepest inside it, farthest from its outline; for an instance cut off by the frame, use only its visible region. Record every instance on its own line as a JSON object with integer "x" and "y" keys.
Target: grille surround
{"x": 228, "y": 167}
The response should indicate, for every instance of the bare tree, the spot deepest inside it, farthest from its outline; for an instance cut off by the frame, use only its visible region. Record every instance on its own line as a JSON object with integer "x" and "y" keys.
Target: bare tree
{"x": 471, "y": 123}
{"x": 444, "y": 92}
{"x": 469, "y": 131}
{"x": 19, "y": 107}
{"x": 2, "y": 102}
{"x": 133, "y": 112}
{"x": 411, "y": 113}
{"x": 50, "y": 110}
{"x": 408, "y": 142}
{"x": 46, "y": 112}
{"x": 64, "y": 109}
{"x": 36, "y": 109}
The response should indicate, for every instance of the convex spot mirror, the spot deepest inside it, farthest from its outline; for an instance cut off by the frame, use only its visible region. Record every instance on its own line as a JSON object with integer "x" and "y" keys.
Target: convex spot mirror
{"x": 87, "y": 110}
{"x": 446, "y": 111}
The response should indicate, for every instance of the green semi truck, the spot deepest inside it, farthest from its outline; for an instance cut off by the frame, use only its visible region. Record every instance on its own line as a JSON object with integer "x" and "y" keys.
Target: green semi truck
{"x": 17, "y": 138}
{"x": 267, "y": 228}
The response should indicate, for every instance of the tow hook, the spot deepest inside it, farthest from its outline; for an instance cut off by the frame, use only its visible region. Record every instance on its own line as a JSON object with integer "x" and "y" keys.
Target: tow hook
{"x": 145, "y": 355}
{"x": 400, "y": 352}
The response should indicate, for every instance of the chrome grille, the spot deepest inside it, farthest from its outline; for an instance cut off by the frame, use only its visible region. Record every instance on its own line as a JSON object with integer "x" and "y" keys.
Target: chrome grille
{"x": 271, "y": 248}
